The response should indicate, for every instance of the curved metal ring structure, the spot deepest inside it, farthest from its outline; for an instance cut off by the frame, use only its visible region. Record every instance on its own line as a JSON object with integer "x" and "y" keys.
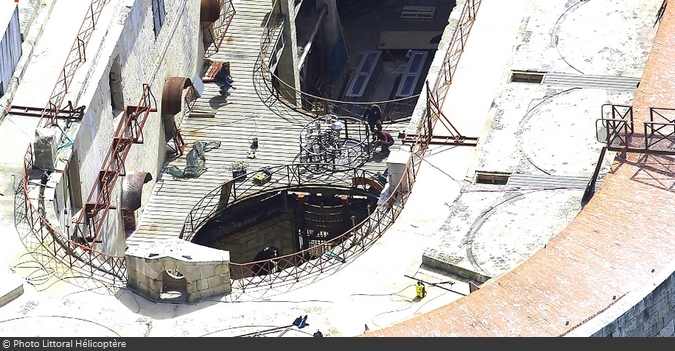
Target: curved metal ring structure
{"x": 331, "y": 143}
{"x": 172, "y": 94}
{"x": 210, "y": 11}
{"x": 132, "y": 189}
{"x": 304, "y": 263}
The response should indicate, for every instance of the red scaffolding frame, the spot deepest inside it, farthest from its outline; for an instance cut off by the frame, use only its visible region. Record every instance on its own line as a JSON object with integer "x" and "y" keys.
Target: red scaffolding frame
{"x": 218, "y": 29}
{"x": 129, "y": 131}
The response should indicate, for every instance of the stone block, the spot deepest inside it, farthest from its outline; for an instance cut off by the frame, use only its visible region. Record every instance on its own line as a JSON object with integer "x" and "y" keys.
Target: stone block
{"x": 192, "y": 273}
{"x": 222, "y": 289}
{"x": 453, "y": 264}
{"x": 207, "y": 293}
{"x": 257, "y": 242}
{"x": 668, "y": 330}
{"x": 630, "y": 325}
{"x": 45, "y": 147}
{"x": 154, "y": 288}
{"x": 214, "y": 281}
{"x": 194, "y": 296}
{"x": 207, "y": 271}
{"x": 202, "y": 284}
{"x": 132, "y": 264}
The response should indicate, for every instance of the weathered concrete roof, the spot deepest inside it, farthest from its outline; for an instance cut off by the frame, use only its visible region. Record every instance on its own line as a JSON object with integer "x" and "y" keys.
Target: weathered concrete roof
{"x": 619, "y": 243}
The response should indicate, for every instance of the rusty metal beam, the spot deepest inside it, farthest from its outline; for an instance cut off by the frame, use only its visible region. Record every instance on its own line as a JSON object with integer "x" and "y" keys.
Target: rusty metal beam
{"x": 431, "y": 118}
{"x": 75, "y": 57}
{"x": 68, "y": 112}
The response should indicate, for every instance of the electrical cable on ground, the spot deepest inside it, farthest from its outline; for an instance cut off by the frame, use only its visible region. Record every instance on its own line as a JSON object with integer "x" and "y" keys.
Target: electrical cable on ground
{"x": 397, "y": 294}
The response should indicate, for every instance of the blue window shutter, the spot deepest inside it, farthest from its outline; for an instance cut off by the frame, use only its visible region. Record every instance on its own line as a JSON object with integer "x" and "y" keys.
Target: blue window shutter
{"x": 158, "y": 15}
{"x": 162, "y": 12}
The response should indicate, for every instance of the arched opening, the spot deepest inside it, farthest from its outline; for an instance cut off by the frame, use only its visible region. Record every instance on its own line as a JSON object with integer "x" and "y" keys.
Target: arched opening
{"x": 174, "y": 286}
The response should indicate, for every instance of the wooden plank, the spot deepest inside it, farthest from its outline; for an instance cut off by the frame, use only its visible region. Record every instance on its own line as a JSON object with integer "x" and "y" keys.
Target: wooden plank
{"x": 408, "y": 40}
{"x": 202, "y": 114}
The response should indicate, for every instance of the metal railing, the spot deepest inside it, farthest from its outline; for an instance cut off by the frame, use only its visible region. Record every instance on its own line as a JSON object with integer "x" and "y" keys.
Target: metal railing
{"x": 618, "y": 130}
{"x": 129, "y": 131}
{"x": 294, "y": 100}
{"x": 339, "y": 250}
{"x": 299, "y": 265}
{"x": 616, "y": 124}
{"x": 30, "y": 211}
{"x": 457, "y": 45}
{"x": 282, "y": 177}
{"x": 39, "y": 233}
{"x": 70, "y": 251}
{"x": 292, "y": 267}
{"x": 659, "y": 131}
{"x": 75, "y": 57}
{"x": 218, "y": 29}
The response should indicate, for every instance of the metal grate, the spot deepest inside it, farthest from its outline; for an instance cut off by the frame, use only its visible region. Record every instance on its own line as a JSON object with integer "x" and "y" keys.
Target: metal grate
{"x": 418, "y": 12}
{"x": 527, "y": 77}
{"x": 491, "y": 178}
{"x": 591, "y": 81}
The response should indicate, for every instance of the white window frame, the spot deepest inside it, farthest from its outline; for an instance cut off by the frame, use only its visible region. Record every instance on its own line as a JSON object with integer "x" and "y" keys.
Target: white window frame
{"x": 412, "y": 73}
{"x": 363, "y": 74}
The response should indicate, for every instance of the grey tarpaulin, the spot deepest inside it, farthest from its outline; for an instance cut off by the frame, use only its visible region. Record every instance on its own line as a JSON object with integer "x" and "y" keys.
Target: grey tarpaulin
{"x": 196, "y": 161}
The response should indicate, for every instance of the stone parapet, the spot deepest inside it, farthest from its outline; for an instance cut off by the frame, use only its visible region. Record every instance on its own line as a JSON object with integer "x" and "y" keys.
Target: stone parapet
{"x": 162, "y": 270}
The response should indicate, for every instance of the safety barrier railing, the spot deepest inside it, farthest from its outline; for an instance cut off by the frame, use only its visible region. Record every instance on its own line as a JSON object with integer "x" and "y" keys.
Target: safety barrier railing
{"x": 337, "y": 251}
{"x": 31, "y": 214}
{"x": 76, "y": 56}
{"x": 281, "y": 177}
{"x": 295, "y": 101}
{"x": 129, "y": 131}
{"x": 616, "y": 125}
{"x": 456, "y": 48}
{"x": 616, "y": 130}
{"x": 30, "y": 211}
{"x": 291, "y": 267}
{"x": 218, "y": 29}
{"x": 659, "y": 131}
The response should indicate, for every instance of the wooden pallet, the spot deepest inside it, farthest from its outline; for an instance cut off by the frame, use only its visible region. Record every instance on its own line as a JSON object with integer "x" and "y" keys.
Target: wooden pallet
{"x": 211, "y": 72}
{"x": 418, "y": 12}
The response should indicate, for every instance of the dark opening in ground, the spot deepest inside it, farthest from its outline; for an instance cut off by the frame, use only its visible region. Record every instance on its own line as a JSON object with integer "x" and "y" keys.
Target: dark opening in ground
{"x": 285, "y": 222}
